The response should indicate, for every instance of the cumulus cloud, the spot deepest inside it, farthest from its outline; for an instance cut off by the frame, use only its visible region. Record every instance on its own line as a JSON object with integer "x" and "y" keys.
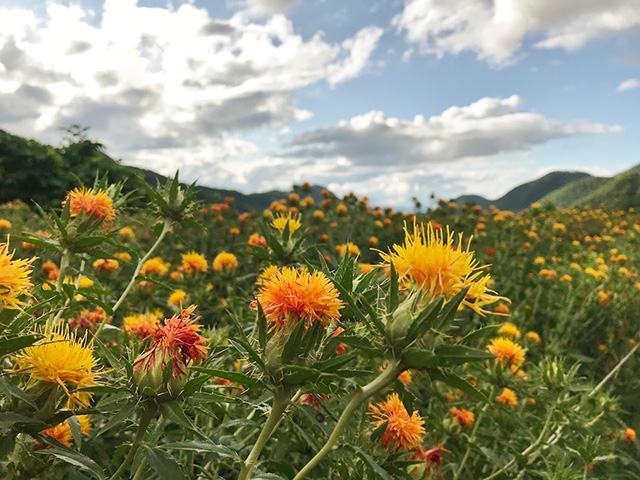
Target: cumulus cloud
{"x": 158, "y": 78}
{"x": 629, "y": 84}
{"x": 490, "y": 126}
{"x": 496, "y": 29}
{"x": 270, "y": 6}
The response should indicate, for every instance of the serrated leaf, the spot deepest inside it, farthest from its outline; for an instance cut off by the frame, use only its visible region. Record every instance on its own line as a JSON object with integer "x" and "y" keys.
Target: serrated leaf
{"x": 124, "y": 412}
{"x": 202, "y": 446}
{"x": 9, "y": 389}
{"x": 163, "y": 464}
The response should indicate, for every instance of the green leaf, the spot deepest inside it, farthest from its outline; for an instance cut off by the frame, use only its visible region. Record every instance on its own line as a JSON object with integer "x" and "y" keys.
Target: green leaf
{"x": 415, "y": 358}
{"x": 473, "y": 336}
{"x": 450, "y": 309}
{"x": 9, "y": 419}
{"x": 425, "y": 320}
{"x": 123, "y": 413}
{"x": 371, "y": 463}
{"x": 195, "y": 384}
{"x": 392, "y": 299}
{"x": 333, "y": 364}
{"x": 10, "y": 345}
{"x": 458, "y": 382}
{"x": 74, "y": 424}
{"x": 10, "y": 390}
{"x": 202, "y": 446}
{"x": 174, "y": 412}
{"x": 261, "y": 321}
{"x": 163, "y": 464}
{"x": 233, "y": 376}
{"x": 292, "y": 347}
{"x": 457, "y": 354}
{"x": 75, "y": 458}
{"x": 359, "y": 343}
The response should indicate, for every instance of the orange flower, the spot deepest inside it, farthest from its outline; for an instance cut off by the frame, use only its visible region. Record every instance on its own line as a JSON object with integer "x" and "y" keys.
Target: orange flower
{"x": 108, "y": 264}
{"x": 155, "y": 265}
{"x": 403, "y": 430}
{"x": 97, "y": 204}
{"x": 350, "y": 248}
{"x": 508, "y": 397}
{"x": 292, "y": 295}
{"x": 506, "y": 351}
{"x": 257, "y": 240}
{"x": 177, "y": 341}
{"x": 142, "y": 325}
{"x": 630, "y": 434}
{"x": 463, "y": 416}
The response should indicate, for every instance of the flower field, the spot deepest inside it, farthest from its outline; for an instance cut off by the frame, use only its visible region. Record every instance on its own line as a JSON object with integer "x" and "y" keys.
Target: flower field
{"x": 321, "y": 338}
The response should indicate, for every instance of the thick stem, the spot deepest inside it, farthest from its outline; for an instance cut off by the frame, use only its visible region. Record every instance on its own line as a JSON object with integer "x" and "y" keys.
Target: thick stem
{"x": 385, "y": 378}
{"x": 165, "y": 229}
{"x": 280, "y": 402}
{"x": 146, "y": 414}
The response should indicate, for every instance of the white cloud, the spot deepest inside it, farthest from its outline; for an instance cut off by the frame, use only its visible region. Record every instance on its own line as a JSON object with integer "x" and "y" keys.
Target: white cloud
{"x": 496, "y": 29}
{"x": 629, "y": 84}
{"x": 489, "y": 126}
{"x": 270, "y": 6}
{"x": 161, "y": 78}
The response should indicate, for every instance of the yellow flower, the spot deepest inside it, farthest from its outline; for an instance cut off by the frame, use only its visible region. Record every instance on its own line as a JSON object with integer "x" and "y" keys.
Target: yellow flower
{"x": 61, "y": 358}
{"x": 177, "y": 297}
{"x": 267, "y": 274}
{"x": 127, "y": 232}
{"x": 539, "y": 261}
{"x": 510, "y": 330}
{"x": 155, "y": 265}
{"x": 429, "y": 260}
{"x": 318, "y": 214}
{"x": 559, "y": 227}
{"x": 405, "y": 377}
{"x": 534, "y": 336}
{"x": 350, "y": 248}
{"x": 506, "y": 350}
{"x": 281, "y": 221}
{"x": 225, "y": 261}
{"x": 403, "y": 430}
{"x": 292, "y": 295}
{"x": 96, "y": 204}
{"x": 15, "y": 278}
{"x": 4, "y": 224}
{"x": 194, "y": 262}
{"x": 566, "y": 278}
{"x": 508, "y": 397}
{"x": 124, "y": 256}
{"x": 341, "y": 208}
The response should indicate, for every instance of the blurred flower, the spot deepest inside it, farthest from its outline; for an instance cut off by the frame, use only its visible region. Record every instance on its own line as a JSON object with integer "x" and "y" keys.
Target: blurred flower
{"x": 510, "y": 330}
{"x": 534, "y": 337}
{"x": 463, "y": 416}
{"x": 177, "y": 297}
{"x": 4, "y": 224}
{"x": 225, "y": 261}
{"x": 292, "y": 295}
{"x": 257, "y": 240}
{"x": 194, "y": 262}
{"x": 403, "y": 430}
{"x": 62, "y": 432}
{"x": 142, "y": 325}
{"x": 127, "y": 232}
{"x": 155, "y": 265}
{"x": 508, "y": 397}
{"x": 350, "y": 248}
{"x": 506, "y": 351}
{"x": 88, "y": 318}
{"x": 61, "y": 358}
{"x": 630, "y": 434}
{"x": 107, "y": 264}
{"x": 15, "y": 278}
{"x": 124, "y": 256}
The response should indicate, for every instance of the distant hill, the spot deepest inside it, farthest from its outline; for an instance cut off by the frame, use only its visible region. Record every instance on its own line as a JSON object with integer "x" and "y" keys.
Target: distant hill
{"x": 524, "y": 195}
{"x": 621, "y": 191}
{"x": 574, "y": 192}
{"x": 34, "y": 172}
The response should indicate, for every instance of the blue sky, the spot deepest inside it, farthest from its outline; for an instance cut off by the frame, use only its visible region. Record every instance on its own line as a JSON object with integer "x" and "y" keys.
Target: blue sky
{"x": 387, "y": 98}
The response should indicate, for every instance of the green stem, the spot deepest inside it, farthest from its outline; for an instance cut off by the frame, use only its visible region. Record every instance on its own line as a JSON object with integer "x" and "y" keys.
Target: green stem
{"x": 472, "y": 438}
{"x": 147, "y": 412}
{"x": 385, "y": 378}
{"x": 614, "y": 370}
{"x": 280, "y": 402}
{"x": 68, "y": 300}
{"x": 163, "y": 233}
{"x": 64, "y": 264}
